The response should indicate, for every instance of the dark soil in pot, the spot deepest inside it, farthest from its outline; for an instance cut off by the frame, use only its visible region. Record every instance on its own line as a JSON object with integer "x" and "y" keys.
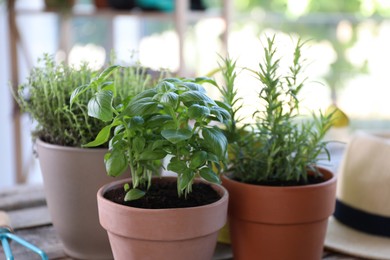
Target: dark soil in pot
{"x": 311, "y": 179}
{"x": 164, "y": 195}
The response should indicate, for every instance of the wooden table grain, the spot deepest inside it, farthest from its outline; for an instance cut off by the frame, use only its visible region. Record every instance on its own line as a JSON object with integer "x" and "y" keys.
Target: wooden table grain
{"x": 26, "y": 206}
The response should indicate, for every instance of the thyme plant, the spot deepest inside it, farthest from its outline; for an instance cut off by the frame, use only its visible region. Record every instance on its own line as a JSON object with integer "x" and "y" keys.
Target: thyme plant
{"x": 173, "y": 118}
{"x": 45, "y": 97}
{"x": 279, "y": 148}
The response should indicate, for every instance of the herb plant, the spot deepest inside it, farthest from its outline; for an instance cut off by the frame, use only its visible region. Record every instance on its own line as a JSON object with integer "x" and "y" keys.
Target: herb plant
{"x": 45, "y": 97}
{"x": 279, "y": 148}
{"x": 173, "y": 118}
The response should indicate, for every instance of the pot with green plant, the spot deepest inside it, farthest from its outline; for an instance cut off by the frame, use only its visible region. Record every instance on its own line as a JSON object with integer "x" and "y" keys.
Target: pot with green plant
{"x": 148, "y": 217}
{"x": 280, "y": 199}
{"x": 73, "y": 174}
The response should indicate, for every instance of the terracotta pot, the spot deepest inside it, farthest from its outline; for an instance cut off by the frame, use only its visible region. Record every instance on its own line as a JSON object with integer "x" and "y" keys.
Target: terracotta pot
{"x": 280, "y": 223}
{"x": 174, "y": 234}
{"x": 71, "y": 178}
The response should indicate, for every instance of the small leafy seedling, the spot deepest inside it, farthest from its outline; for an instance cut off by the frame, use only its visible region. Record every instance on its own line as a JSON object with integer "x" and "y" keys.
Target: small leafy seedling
{"x": 173, "y": 118}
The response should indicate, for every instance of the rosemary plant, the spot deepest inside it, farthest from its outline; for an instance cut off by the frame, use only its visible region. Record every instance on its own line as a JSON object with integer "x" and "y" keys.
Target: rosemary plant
{"x": 46, "y": 94}
{"x": 279, "y": 148}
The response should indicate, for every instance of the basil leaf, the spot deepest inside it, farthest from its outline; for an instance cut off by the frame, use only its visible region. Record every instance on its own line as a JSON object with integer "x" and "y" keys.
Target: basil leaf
{"x": 215, "y": 141}
{"x": 100, "y": 105}
{"x": 198, "y": 112}
{"x": 177, "y": 166}
{"x": 106, "y": 73}
{"x": 149, "y": 155}
{"x": 176, "y": 135}
{"x": 116, "y": 162}
{"x": 170, "y": 99}
{"x": 165, "y": 87}
{"x": 196, "y": 96}
{"x": 77, "y": 92}
{"x": 209, "y": 175}
{"x": 185, "y": 180}
{"x": 138, "y": 144}
{"x": 101, "y": 138}
{"x": 193, "y": 86}
{"x": 141, "y": 107}
{"x": 134, "y": 194}
{"x": 198, "y": 159}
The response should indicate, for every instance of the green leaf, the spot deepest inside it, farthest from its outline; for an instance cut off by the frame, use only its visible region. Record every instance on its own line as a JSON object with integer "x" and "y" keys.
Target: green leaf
{"x": 149, "y": 93}
{"x": 172, "y": 80}
{"x": 209, "y": 175}
{"x": 201, "y": 80}
{"x": 220, "y": 113}
{"x": 169, "y": 124}
{"x": 107, "y": 72}
{"x": 198, "y": 159}
{"x": 136, "y": 122}
{"x": 116, "y": 162}
{"x": 176, "y": 135}
{"x": 109, "y": 85}
{"x": 170, "y": 99}
{"x": 118, "y": 141}
{"x": 159, "y": 144}
{"x": 134, "y": 194}
{"x": 141, "y": 107}
{"x": 177, "y": 166}
{"x": 101, "y": 138}
{"x": 165, "y": 87}
{"x": 196, "y": 96}
{"x": 198, "y": 112}
{"x": 138, "y": 144}
{"x": 158, "y": 121}
{"x": 149, "y": 155}
{"x": 215, "y": 141}
{"x": 223, "y": 105}
{"x": 212, "y": 157}
{"x": 100, "y": 106}
{"x": 185, "y": 180}
{"x": 193, "y": 86}
{"x": 217, "y": 114}
{"x": 77, "y": 92}
{"x": 118, "y": 129}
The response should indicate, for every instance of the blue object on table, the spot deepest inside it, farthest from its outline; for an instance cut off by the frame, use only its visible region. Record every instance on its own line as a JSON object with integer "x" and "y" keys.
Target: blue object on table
{"x": 6, "y": 234}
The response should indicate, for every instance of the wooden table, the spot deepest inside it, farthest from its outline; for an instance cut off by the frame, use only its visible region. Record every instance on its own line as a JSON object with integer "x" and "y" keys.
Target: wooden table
{"x": 26, "y": 206}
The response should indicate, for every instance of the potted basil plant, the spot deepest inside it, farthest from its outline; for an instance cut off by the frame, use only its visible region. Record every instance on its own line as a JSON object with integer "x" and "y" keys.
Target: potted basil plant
{"x": 73, "y": 174}
{"x": 147, "y": 217}
{"x": 280, "y": 198}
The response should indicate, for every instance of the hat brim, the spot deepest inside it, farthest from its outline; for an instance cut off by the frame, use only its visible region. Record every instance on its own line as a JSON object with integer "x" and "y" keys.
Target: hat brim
{"x": 344, "y": 239}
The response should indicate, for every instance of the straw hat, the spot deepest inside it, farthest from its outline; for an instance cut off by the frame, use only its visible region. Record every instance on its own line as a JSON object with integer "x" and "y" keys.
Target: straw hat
{"x": 360, "y": 225}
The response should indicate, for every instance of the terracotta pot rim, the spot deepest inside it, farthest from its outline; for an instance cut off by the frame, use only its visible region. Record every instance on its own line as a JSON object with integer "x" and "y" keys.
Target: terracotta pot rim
{"x": 108, "y": 186}
{"x": 302, "y": 197}
{"x": 332, "y": 179}
{"x": 207, "y": 219}
{"x": 40, "y": 142}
